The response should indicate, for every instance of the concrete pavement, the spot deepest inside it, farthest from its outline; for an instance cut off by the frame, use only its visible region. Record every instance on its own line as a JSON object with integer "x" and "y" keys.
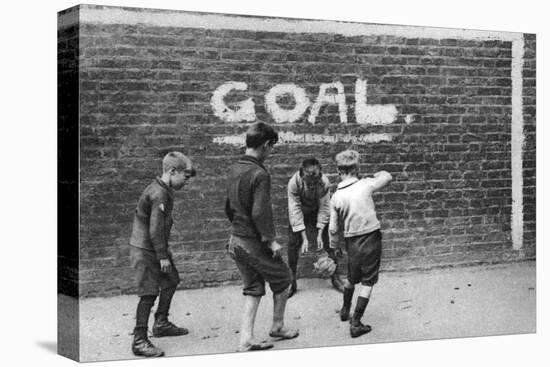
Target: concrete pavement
{"x": 440, "y": 303}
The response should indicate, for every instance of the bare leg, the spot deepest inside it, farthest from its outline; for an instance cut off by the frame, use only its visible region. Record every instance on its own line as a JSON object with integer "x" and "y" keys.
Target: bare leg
{"x": 278, "y": 329}
{"x": 348, "y": 285}
{"x": 251, "y": 304}
{"x": 365, "y": 291}
{"x": 279, "y": 305}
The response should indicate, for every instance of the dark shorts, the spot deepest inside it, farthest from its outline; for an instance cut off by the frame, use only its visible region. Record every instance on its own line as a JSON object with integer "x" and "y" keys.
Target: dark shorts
{"x": 364, "y": 253}
{"x": 257, "y": 265}
{"x": 149, "y": 279}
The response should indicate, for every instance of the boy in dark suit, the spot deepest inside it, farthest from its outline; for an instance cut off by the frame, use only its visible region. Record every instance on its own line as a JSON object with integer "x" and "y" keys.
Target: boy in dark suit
{"x": 155, "y": 272}
{"x": 252, "y": 244}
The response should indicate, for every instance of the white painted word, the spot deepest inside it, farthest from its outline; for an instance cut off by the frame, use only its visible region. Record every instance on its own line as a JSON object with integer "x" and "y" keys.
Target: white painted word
{"x": 329, "y": 94}
{"x": 325, "y": 97}
{"x": 245, "y": 112}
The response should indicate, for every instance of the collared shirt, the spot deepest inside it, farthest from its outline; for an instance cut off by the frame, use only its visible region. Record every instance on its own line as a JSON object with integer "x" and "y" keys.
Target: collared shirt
{"x": 305, "y": 200}
{"x": 248, "y": 205}
{"x": 153, "y": 219}
{"x": 352, "y": 211}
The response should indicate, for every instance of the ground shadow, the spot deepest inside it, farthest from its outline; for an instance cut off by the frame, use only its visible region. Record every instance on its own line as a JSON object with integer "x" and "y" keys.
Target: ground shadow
{"x": 50, "y": 346}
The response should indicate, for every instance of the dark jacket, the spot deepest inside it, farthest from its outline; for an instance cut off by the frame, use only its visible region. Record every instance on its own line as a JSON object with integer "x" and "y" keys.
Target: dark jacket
{"x": 153, "y": 219}
{"x": 248, "y": 205}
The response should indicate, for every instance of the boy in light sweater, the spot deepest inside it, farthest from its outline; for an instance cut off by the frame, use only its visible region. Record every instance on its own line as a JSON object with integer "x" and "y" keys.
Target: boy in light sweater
{"x": 353, "y": 216}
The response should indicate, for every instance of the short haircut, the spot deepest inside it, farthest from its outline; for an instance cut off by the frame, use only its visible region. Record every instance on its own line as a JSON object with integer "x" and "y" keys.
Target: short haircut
{"x": 258, "y": 133}
{"x": 310, "y": 162}
{"x": 347, "y": 161}
{"x": 176, "y": 160}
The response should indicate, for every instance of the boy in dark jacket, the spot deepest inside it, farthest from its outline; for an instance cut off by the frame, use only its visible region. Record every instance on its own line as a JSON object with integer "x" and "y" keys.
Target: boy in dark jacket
{"x": 151, "y": 256}
{"x": 252, "y": 244}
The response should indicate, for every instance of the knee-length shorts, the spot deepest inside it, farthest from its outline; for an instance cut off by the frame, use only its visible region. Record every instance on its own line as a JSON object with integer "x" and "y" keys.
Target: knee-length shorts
{"x": 364, "y": 253}
{"x": 257, "y": 265}
{"x": 149, "y": 278}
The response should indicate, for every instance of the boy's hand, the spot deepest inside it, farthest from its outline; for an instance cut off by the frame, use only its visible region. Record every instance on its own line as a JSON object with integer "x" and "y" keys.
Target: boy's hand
{"x": 320, "y": 243}
{"x": 305, "y": 246}
{"x": 165, "y": 265}
{"x": 305, "y": 242}
{"x": 276, "y": 249}
{"x": 381, "y": 179}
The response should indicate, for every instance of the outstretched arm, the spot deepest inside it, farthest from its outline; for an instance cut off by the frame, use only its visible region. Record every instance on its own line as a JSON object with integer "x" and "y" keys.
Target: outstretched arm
{"x": 380, "y": 180}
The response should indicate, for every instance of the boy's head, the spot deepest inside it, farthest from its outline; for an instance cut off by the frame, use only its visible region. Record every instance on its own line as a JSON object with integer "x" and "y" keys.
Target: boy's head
{"x": 261, "y": 137}
{"x": 347, "y": 162}
{"x": 178, "y": 169}
{"x": 310, "y": 171}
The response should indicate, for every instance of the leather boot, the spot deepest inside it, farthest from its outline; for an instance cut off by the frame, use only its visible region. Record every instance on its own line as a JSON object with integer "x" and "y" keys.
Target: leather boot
{"x": 142, "y": 346}
{"x": 357, "y": 329}
{"x": 163, "y": 327}
{"x": 344, "y": 313}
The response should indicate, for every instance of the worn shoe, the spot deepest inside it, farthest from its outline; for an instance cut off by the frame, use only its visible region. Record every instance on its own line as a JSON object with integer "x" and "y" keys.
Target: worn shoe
{"x": 358, "y": 329}
{"x": 142, "y": 347}
{"x": 163, "y": 327}
{"x": 344, "y": 313}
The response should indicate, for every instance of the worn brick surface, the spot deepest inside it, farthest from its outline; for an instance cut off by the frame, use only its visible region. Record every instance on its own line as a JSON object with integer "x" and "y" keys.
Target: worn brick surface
{"x": 67, "y": 188}
{"x": 146, "y": 90}
{"x": 529, "y": 155}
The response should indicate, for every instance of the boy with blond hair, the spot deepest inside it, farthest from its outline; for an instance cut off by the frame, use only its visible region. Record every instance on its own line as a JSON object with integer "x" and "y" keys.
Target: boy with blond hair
{"x": 353, "y": 217}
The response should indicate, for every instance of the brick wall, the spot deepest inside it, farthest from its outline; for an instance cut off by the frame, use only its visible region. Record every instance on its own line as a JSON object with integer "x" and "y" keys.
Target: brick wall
{"x": 67, "y": 187}
{"x": 146, "y": 89}
{"x": 68, "y": 323}
{"x": 529, "y": 155}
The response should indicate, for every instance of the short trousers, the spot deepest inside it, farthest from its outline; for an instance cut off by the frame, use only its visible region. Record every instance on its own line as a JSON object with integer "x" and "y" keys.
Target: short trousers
{"x": 364, "y": 253}
{"x": 149, "y": 279}
{"x": 256, "y": 264}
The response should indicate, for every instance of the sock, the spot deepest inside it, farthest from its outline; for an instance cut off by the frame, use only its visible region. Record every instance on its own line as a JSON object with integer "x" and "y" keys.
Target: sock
{"x": 348, "y": 295}
{"x": 360, "y": 307}
{"x": 165, "y": 299}
{"x": 332, "y": 254}
{"x": 142, "y": 314}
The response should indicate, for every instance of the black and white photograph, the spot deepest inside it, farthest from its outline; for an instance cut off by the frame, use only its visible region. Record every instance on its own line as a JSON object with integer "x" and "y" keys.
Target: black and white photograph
{"x": 253, "y": 183}
{"x": 369, "y": 183}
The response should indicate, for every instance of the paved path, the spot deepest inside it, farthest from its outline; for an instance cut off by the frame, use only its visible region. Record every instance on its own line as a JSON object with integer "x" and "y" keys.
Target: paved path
{"x": 441, "y": 303}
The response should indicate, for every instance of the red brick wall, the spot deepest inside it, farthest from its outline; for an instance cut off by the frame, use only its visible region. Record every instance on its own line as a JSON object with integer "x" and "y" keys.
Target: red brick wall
{"x": 145, "y": 90}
